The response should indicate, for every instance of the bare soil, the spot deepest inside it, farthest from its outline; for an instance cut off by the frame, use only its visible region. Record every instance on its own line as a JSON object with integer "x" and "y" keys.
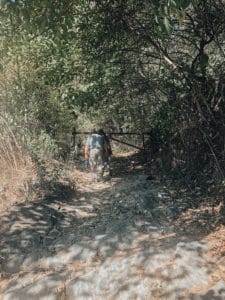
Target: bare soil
{"x": 128, "y": 237}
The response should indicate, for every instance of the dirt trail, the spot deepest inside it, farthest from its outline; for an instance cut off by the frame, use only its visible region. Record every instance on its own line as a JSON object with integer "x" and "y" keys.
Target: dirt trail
{"x": 111, "y": 240}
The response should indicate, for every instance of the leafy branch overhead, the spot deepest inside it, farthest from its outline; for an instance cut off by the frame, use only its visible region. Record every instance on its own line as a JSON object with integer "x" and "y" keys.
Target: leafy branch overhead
{"x": 145, "y": 63}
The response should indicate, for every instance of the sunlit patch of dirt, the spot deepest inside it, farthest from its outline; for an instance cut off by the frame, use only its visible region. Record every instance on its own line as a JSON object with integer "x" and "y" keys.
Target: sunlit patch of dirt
{"x": 216, "y": 240}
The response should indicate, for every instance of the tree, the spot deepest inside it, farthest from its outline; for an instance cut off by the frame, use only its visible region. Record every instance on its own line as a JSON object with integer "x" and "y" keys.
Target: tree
{"x": 136, "y": 64}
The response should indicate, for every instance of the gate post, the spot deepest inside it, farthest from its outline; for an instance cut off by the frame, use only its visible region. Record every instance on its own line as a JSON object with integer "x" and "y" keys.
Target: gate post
{"x": 144, "y": 148}
{"x": 73, "y": 137}
{"x": 143, "y": 141}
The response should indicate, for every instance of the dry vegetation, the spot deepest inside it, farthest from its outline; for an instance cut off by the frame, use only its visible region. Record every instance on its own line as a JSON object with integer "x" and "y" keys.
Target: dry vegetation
{"x": 16, "y": 183}
{"x": 17, "y": 170}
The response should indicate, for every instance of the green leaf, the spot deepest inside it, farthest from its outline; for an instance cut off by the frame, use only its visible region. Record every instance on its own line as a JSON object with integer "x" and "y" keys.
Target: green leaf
{"x": 167, "y": 25}
{"x": 166, "y": 10}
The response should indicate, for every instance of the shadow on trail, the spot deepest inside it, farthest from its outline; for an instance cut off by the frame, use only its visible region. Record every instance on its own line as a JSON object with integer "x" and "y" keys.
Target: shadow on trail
{"x": 102, "y": 241}
{"x": 121, "y": 165}
{"x": 128, "y": 165}
{"x": 217, "y": 294}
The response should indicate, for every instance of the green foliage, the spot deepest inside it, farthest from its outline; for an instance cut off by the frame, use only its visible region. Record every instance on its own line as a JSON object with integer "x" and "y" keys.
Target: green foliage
{"x": 130, "y": 65}
{"x": 42, "y": 147}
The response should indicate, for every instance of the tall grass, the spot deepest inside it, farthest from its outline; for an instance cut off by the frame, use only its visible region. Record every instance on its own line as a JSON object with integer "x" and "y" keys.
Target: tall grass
{"x": 17, "y": 169}
{"x": 28, "y": 166}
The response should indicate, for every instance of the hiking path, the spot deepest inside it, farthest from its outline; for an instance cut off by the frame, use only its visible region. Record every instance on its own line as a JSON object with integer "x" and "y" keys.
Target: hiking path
{"x": 123, "y": 238}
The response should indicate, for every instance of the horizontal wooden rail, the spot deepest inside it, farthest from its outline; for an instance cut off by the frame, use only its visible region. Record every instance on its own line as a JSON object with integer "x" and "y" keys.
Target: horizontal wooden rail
{"x": 110, "y": 135}
{"x": 115, "y": 133}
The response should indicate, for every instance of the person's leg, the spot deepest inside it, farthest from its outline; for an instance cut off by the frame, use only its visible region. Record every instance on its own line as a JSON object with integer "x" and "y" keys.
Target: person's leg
{"x": 100, "y": 164}
{"x": 94, "y": 161}
{"x": 86, "y": 164}
{"x": 86, "y": 156}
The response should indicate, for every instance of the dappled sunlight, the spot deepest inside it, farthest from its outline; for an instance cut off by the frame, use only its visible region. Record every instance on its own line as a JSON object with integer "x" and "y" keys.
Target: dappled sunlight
{"x": 110, "y": 266}
{"x": 111, "y": 240}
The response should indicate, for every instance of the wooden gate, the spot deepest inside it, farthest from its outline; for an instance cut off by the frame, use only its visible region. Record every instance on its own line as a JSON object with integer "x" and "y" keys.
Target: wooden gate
{"x": 111, "y": 136}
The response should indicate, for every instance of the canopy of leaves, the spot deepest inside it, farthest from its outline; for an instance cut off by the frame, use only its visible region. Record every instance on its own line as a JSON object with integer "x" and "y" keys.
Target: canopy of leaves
{"x": 129, "y": 64}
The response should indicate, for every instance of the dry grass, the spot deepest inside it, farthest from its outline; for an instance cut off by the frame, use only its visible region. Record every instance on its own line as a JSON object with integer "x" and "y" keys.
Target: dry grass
{"x": 16, "y": 183}
{"x": 17, "y": 171}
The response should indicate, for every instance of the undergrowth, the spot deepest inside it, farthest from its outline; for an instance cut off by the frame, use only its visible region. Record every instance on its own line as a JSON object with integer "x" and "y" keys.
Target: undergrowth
{"x": 28, "y": 167}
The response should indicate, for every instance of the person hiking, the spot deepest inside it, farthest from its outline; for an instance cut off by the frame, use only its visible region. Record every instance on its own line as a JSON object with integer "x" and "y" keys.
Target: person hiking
{"x": 107, "y": 150}
{"x": 95, "y": 145}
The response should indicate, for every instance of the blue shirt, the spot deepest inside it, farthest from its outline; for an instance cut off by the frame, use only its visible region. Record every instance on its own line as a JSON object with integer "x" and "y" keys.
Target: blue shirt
{"x": 95, "y": 141}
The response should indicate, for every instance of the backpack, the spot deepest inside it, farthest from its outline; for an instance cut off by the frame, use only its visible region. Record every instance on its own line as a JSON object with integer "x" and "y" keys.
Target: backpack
{"x": 107, "y": 147}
